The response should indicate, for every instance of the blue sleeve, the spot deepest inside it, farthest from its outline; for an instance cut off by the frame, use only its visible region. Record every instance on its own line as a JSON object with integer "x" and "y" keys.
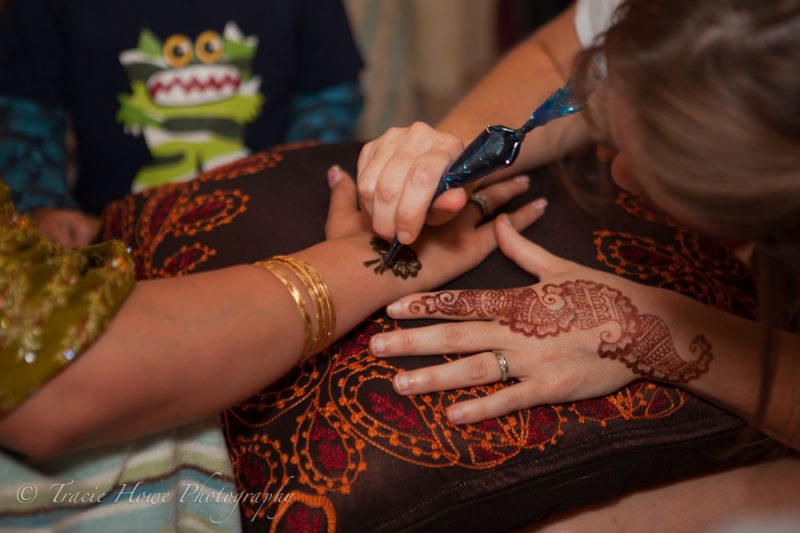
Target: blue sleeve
{"x": 328, "y": 115}
{"x": 33, "y": 154}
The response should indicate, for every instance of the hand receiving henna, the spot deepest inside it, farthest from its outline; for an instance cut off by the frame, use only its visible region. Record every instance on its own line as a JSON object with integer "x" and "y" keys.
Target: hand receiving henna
{"x": 575, "y": 335}
{"x": 443, "y": 252}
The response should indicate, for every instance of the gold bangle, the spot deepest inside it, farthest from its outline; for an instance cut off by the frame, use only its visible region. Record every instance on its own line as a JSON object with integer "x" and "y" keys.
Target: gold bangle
{"x": 321, "y": 296}
{"x": 314, "y": 294}
{"x": 316, "y": 338}
{"x": 298, "y": 300}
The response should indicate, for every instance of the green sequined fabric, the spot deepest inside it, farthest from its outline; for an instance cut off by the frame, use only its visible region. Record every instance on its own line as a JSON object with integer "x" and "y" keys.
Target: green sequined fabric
{"x": 53, "y": 302}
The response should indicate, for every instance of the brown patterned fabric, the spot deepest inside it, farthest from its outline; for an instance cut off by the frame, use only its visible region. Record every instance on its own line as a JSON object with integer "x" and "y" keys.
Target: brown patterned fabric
{"x": 331, "y": 446}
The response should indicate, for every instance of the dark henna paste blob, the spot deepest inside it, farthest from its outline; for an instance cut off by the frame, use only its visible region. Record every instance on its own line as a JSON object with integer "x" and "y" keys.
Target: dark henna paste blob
{"x": 407, "y": 265}
{"x": 643, "y": 342}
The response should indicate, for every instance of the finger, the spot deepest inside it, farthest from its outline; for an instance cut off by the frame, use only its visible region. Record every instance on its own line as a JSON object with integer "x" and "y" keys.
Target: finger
{"x": 518, "y": 396}
{"x": 342, "y": 202}
{"x": 453, "y": 305}
{"x": 447, "y": 206}
{"x": 496, "y": 196}
{"x": 485, "y": 240}
{"x": 371, "y": 170}
{"x": 420, "y": 186}
{"x": 365, "y": 156}
{"x": 458, "y": 337}
{"x": 478, "y": 369}
{"x": 523, "y": 252}
{"x": 388, "y": 191}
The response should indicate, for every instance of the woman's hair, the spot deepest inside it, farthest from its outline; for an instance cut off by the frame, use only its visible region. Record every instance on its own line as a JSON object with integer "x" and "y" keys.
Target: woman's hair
{"x": 714, "y": 88}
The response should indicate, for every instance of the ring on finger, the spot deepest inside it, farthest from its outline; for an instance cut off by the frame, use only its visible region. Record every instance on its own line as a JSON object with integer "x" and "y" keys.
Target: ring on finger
{"x": 503, "y": 364}
{"x": 482, "y": 203}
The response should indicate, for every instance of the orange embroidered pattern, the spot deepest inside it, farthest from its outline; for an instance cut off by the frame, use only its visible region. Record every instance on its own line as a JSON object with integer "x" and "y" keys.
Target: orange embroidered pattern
{"x": 179, "y": 210}
{"x": 344, "y": 406}
{"x": 307, "y": 449}
{"x": 690, "y": 265}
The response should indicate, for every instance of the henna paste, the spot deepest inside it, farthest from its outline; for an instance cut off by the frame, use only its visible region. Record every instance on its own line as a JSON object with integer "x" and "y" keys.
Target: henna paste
{"x": 642, "y": 342}
{"x": 407, "y": 265}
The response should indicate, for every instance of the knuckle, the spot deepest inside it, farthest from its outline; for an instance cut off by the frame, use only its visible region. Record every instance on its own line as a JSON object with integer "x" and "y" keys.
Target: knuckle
{"x": 453, "y": 337}
{"x": 365, "y": 186}
{"x": 419, "y": 128}
{"x": 453, "y": 145}
{"x": 388, "y": 191}
{"x": 425, "y": 173}
{"x": 405, "y": 342}
{"x": 394, "y": 131}
{"x": 426, "y": 380}
{"x": 477, "y": 369}
{"x": 367, "y": 150}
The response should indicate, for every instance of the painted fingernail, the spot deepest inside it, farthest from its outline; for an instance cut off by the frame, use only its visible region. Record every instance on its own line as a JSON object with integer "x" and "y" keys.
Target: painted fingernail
{"x": 394, "y": 308}
{"x": 523, "y": 179}
{"x": 455, "y": 415}
{"x": 401, "y": 383}
{"x": 404, "y": 237}
{"x": 334, "y": 173}
{"x": 505, "y": 219}
{"x": 540, "y": 203}
{"x": 377, "y": 346}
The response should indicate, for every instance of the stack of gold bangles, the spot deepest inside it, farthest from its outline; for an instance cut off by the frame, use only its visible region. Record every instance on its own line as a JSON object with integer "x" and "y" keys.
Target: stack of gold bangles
{"x": 316, "y": 338}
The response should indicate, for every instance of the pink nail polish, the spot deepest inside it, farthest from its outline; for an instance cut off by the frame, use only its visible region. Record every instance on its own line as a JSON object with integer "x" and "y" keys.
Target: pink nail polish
{"x": 334, "y": 173}
{"x": 523, "y": 179}
{"x": 540, "y": 203}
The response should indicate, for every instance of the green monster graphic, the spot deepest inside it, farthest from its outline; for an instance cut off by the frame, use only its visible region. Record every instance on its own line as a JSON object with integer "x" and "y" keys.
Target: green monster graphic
{"x": 190, "y": 100}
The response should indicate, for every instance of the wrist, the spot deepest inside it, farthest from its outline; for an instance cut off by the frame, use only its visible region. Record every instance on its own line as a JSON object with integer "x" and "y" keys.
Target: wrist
{"x": 349, "y": 266}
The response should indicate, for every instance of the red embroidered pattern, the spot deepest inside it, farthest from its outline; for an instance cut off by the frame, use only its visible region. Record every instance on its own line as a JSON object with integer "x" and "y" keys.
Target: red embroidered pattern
{"x": 691, "y": 265}
{"x": 314, "y": 435}
{"x": 348, "y": 405}
{"x": 179, "y": 210}
{"x": 343, "y": 406}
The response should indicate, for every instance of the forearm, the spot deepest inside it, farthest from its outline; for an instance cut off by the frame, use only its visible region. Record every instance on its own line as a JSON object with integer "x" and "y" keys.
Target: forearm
{"x": 186, "y": 348}
{"x": 517, "y": 85}
{"x": 734, "y": 375}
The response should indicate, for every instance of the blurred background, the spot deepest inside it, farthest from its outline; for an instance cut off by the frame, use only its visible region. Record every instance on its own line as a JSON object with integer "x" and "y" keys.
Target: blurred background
{"x": 421, "y": 56}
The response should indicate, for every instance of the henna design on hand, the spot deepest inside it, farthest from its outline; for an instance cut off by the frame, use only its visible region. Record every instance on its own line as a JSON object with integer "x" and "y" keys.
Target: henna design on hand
{"x": 405, "y": 266}
{"x": 642, "y": 342}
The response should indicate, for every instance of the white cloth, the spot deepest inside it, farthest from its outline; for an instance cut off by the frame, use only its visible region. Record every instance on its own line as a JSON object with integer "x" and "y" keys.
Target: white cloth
{"x": 593, "y": 18}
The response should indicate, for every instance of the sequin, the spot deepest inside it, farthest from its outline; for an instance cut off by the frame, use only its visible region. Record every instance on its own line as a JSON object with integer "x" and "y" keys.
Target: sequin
{"x": 65, "y": 299}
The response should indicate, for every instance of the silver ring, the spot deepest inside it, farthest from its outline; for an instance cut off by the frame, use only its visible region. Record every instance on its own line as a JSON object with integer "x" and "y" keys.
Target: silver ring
{"x": 482, "y": 203}
{"x": 501, "y": 361}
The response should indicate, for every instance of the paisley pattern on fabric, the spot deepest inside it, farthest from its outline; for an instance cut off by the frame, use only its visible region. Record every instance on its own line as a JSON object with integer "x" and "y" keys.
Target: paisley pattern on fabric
{"x": 331, "y": 446}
